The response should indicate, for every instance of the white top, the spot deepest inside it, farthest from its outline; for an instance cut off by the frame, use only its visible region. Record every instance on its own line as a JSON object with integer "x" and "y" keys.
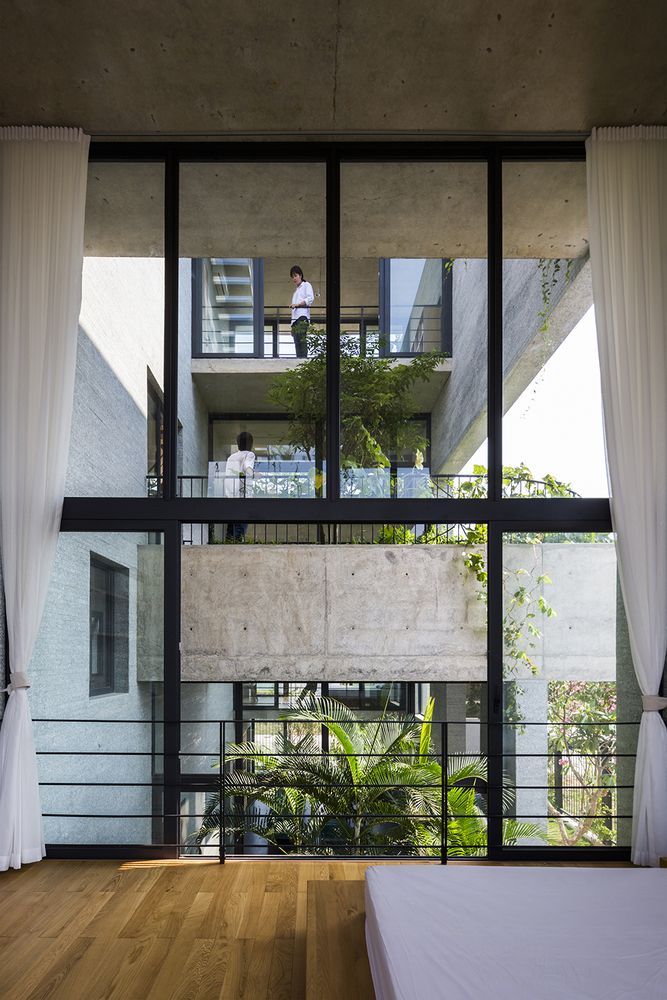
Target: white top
{"x": 475, "y": 933}
{"x": 304, "y": 293}
{"x": 237, "y": 463}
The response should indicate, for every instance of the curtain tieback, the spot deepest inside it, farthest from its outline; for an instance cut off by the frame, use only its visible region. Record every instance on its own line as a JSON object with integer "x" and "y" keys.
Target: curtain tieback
{"x": 653, "y": 703}
{"x": 19, "y": 680}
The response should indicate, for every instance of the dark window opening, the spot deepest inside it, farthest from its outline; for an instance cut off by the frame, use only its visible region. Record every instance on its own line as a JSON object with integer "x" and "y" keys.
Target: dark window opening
{"x": 109, "y": 627}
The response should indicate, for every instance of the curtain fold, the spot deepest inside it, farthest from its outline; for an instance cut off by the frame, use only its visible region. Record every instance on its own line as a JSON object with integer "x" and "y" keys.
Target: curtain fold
{"x": 627, "y": 209}
{"x": 43, "y": 173}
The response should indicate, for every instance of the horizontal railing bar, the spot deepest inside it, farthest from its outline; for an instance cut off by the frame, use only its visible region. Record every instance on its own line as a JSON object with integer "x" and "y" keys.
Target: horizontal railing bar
{"x": 146, "y": 753}
{"x": 354, "y": 722}
{"x": 101, "y": 753}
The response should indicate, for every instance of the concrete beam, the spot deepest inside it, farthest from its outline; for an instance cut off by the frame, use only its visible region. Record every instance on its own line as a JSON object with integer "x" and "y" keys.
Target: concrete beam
{"x": 277, "y": 211}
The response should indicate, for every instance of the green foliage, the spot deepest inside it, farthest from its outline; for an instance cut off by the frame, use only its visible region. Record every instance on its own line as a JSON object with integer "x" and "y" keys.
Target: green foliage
{"x": 376, "y": 401}
{"x": 377, "y": 791}
{"x": 550, "y": 268}
{"x": 582, "y": 744}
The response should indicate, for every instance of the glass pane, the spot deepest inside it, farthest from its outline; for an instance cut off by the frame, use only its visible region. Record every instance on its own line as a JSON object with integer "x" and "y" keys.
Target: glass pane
{"x": 413, "y": 330}
{"x": 572, "y": 706}
{"x": 252, "y": 329}
{"x": 120, "y": 343}
{"x": 378, "y": 622}
{"x": 552, "y": 427}
{"x": 227, "y": 302}
{"x": 99, "y": 658}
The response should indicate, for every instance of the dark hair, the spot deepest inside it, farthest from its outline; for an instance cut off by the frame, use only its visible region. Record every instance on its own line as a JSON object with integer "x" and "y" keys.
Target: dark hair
{"x": 244, "y": 441}
{"x": 296, "y": 270}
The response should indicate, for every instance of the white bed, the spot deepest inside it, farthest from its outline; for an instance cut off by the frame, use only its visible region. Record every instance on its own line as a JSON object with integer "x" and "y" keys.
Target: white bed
{"x": 486, "y": 933}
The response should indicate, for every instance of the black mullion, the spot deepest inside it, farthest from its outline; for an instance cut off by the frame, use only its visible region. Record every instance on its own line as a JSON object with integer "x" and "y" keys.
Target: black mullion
{"x": 394, "y": 150}
{"x": 82, "y": 513}
{"x": 196, "y": 323}
{"x": 333, "y": 327}
{"x": 494, "y": 688}
{"x": 172, "y": 682}
{"x": 171, "y": 195}
{"x": 495, "y": 324}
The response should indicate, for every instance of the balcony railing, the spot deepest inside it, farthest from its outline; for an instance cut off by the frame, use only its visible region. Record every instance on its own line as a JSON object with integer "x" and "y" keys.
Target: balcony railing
{"x": 410, "y": 811}
{"x": 356, "y": 483}
{"x": 223, "y": 335}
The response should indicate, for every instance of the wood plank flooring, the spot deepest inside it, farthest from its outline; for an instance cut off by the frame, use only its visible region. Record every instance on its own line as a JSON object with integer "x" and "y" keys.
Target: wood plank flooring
{"x": 144, "y": 930}
{"x": 337, "y": 963}
{"x": 160, "y": 930}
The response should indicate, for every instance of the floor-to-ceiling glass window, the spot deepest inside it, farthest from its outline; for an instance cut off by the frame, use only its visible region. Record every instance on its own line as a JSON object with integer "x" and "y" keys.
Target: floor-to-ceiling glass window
{"x": 397, "y": 564}
{"x": 251, "y": 324}
{"x": 413, "y": 335}
{"x": 333, "y": 685}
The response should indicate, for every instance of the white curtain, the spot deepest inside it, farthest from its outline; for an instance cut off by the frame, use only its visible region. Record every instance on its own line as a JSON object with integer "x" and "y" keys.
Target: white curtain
{"x": 42, "y": 204}
{"x": 627, "y": 208}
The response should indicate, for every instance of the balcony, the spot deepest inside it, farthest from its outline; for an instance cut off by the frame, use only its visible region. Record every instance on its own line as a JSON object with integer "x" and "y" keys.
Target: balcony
{"x": 233, "y": 366}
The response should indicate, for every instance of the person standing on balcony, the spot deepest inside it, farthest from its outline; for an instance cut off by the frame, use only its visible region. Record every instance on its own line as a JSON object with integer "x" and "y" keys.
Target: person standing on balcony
{"x": 239, "y": 469}
{"x": 302, "y": 300}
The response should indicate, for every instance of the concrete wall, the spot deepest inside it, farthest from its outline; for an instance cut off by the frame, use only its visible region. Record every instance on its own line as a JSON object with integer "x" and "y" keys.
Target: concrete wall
{"x": 346, "y": 612}
{"x": 120, "y": 336}
{"x": 460, "y": 414}
{"x": 192, "y": 412}
{"x": 329, "y": 612}
{"x": 60, "y": 690}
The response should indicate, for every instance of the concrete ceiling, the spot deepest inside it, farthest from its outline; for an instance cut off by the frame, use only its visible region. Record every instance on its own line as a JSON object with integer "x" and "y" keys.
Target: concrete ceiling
{"x": 277, "y": 211}
{"x": 216, "y": 67}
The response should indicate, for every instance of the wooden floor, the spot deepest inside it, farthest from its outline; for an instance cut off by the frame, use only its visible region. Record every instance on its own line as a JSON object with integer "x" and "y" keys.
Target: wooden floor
{"x": 82, "y": 930}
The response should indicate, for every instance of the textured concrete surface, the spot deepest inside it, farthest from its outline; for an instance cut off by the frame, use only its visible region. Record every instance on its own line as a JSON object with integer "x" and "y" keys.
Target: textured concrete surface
{"x": 217, "y": 67}
{"x": 277, "y": 211}
{"x": 330, "y": 612}
{"x": 385, "y": 612}
{"x": 459, "y": 416}
{"x": 120, "y": 337}
{"x": 241, "y": 385}
{"x": 60, "y": 690}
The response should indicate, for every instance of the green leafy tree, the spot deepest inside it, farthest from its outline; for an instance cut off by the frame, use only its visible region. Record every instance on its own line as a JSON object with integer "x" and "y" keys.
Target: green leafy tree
{"x": 376, "y": 401}
{"x": 582, "y": 746}
{"x": 378, "y": 790}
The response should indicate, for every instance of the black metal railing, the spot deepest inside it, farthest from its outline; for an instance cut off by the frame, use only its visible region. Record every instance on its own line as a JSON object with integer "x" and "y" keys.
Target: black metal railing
{"x": 406, "y": 814}
{"x": 226, "y": 336}
{"x": 270, "y": 480}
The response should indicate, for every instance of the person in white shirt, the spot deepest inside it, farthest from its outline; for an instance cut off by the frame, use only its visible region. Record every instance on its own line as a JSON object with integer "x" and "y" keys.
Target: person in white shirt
{"x": 302, "y": 300}
{"x": 239, "y": 469}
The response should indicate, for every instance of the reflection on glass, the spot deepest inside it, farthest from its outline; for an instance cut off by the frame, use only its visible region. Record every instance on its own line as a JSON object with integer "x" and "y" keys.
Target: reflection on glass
{"x": 571, "y": 702}
{"x": 227, "y": 296}
{"x": 417, "y": 320}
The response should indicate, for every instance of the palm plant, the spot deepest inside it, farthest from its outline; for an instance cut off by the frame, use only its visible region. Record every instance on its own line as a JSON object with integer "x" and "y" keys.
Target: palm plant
{"x": 376, "y": 791}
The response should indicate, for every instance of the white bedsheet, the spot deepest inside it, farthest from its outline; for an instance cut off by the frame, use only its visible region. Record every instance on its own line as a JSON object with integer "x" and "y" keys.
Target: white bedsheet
{"x": 483, "y": 933}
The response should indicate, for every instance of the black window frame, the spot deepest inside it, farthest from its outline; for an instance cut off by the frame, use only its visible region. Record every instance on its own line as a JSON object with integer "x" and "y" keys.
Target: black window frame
{"x": 169, "y": 512}
{"x": 113, "y": 641}
{"x": 384, "y": 312}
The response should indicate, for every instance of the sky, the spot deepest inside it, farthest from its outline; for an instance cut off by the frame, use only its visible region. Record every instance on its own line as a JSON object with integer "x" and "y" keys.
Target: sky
{"x": 555, "y": 426}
